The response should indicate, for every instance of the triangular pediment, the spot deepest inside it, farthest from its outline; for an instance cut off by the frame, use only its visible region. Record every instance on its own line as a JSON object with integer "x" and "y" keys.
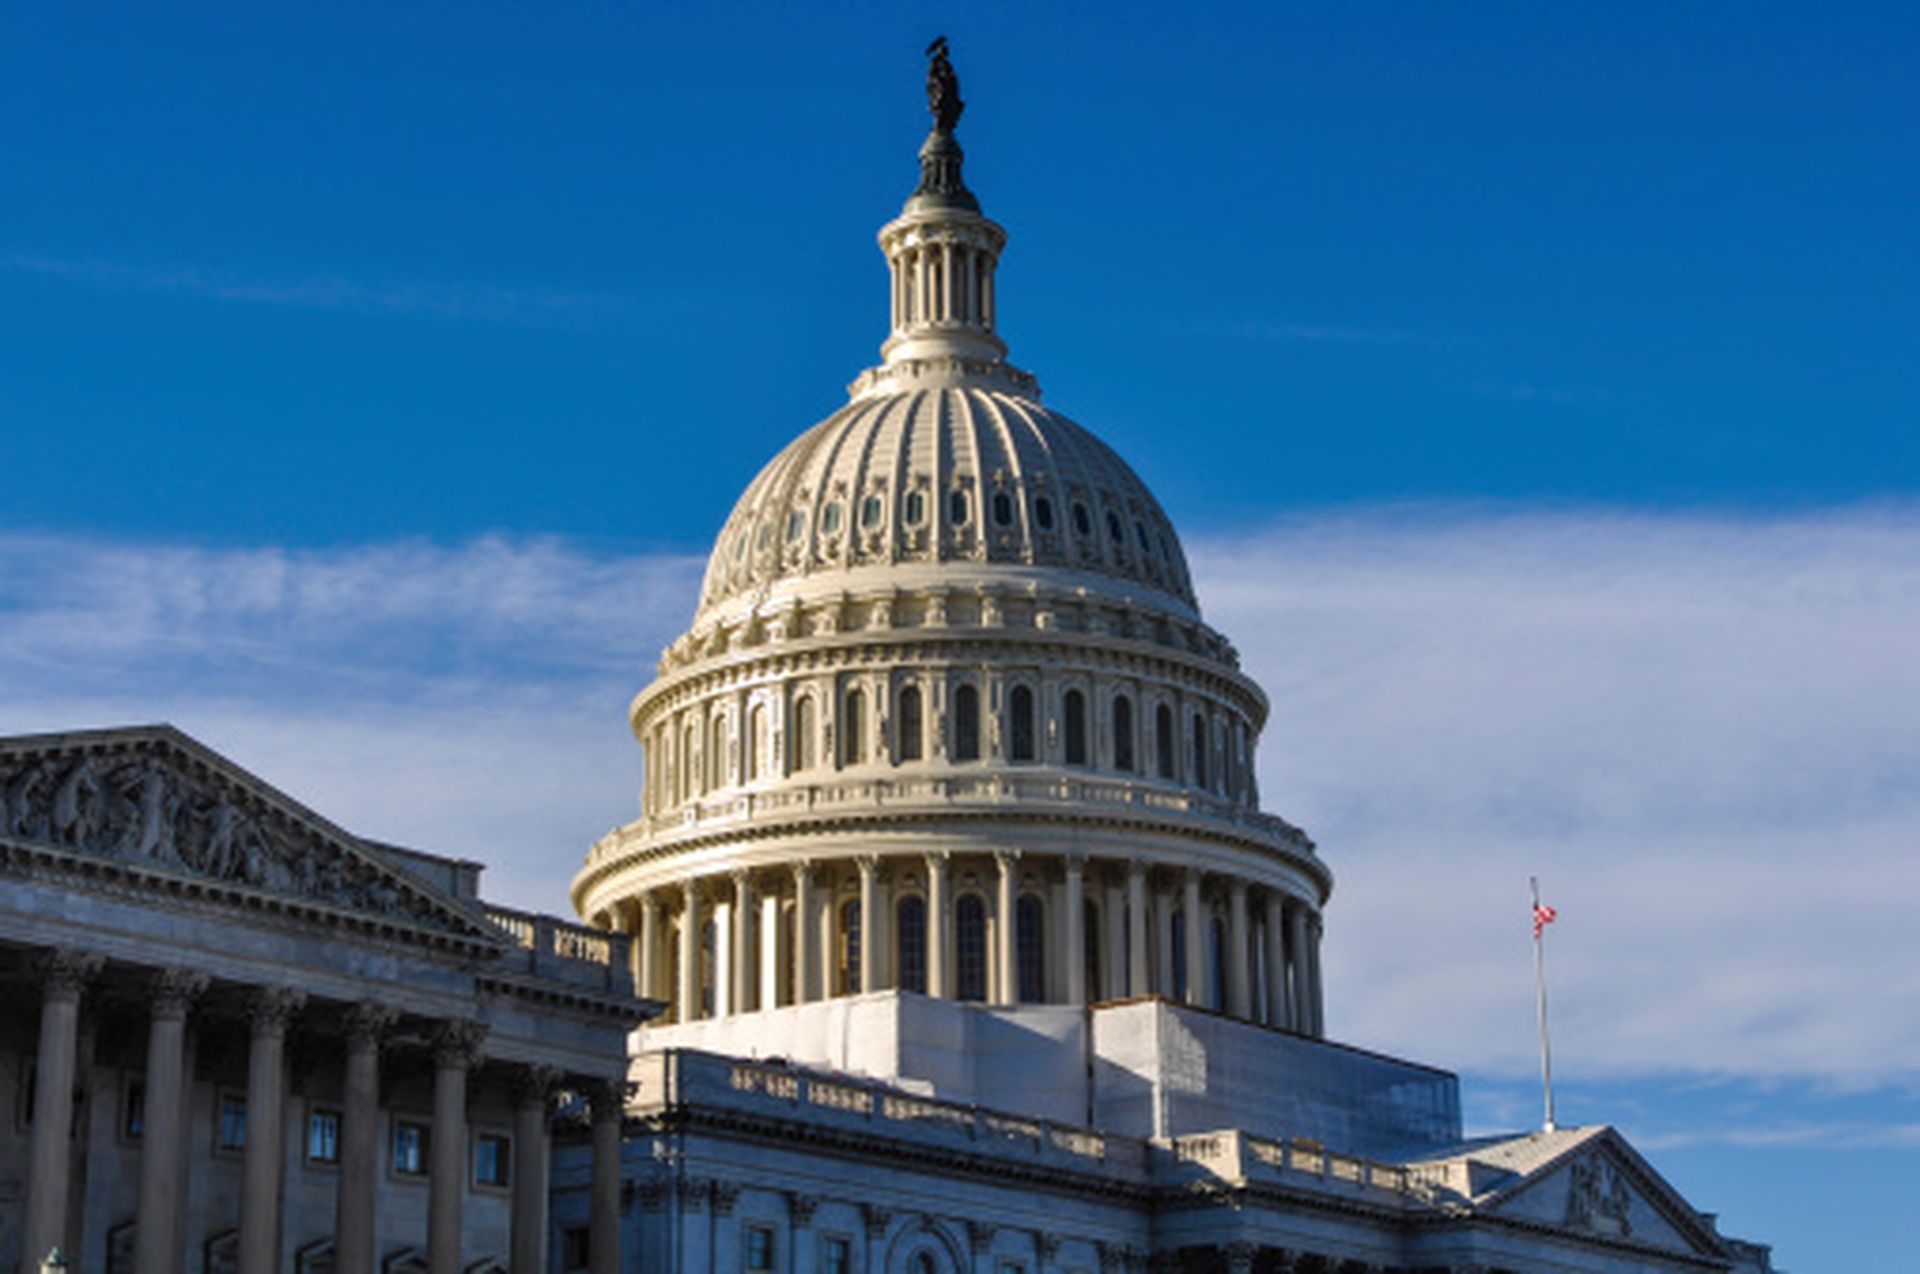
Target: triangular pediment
{"x": 151, "y": 799}
{"x": 1597, "y": 1186}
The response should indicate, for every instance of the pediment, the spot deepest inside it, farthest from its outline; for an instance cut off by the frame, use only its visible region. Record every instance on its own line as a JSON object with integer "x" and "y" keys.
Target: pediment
{"x": 153, "y": 799}
{"x": 1599, "y": 1187}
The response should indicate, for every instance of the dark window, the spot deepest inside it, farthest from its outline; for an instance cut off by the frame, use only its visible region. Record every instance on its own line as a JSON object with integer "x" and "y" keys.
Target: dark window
{"x": 796, "y": 523}
{"x": 836, "y": 1255}
{"x": 1074, "y": 708}
{"x": 1002, "y": 508}
{"x": 1090, "y": 935}
{"x": 970, "y": 947}
{"x": 410, "y": 1148}
{"x": 759, "y": 1247}
{"x": 575, "y": 1254}
{"x": 1218, "y": 999}
{"x": 911, "y": 729}
{"x": 910, "y": 922}
{"x": 1140, "y": 533}
{"x": 852, "y": 729}
{"x": 232, "y": 1130}
{"x": 1029, "y": 940}
{"x": 1114, "y": 531}
{"x": 1020, "y": 724}
{"x": 1043, "y": 513}
{"x": 1122, "y": 733}
{"x": 1081, "y": 522}
{"x": 830, "y": 519}
{"x": 323, "y": 1136}
{"x": 709, "y": 936}
{"x": 802, "y": 745}
{"x": 957, "y": 507}
{"x": 1163, "y": 740}
{"x": 923, "y": 1263}
{"x": 966, "y": 724}
{"x": 1199, "y": 751}
{"x": 916, "y": 508}
{"x": 490, "y": 1154}
{"x": 870, "y": 512}
{"x": 850, "y": 947}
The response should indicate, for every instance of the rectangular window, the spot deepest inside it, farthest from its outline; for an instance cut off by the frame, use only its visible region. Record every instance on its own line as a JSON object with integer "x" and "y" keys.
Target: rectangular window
{"x": 133, "y": 1109}
{"x": 759, "y": 1247}
{"x": 409, "y": 1148}
{"x": 230, "y": 1127}
{"x": 836, "y": 1255}
{"x": 574, "y": 1252}
{"x": 323, "y": 1136}
{"x": 490, "y": 1153}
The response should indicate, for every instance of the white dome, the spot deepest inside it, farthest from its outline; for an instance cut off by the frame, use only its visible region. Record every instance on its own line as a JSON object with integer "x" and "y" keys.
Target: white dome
{"x": 983, "y": 478}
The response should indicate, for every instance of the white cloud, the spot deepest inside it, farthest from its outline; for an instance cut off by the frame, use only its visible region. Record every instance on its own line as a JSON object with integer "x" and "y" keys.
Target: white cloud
{"x": 1702, "y": 733}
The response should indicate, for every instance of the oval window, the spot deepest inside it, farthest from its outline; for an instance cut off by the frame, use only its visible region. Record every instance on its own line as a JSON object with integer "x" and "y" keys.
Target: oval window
{"x": 1081, "y": 522}
{"x": 957, "y": 508}
{"x": 830, "y": 519}
{"x": 1113, "y": 527}
{"x": 1002, "y": 508}
{"x": 1140, "y": 533}
{"x": 740, "y": 546}
{"x": 870, "y": 512}
{"x": 796, "y": 523}
{"x": 1043, "y": 513}
{"x": 916, "y": 508}
{"x": 763, "y": 536}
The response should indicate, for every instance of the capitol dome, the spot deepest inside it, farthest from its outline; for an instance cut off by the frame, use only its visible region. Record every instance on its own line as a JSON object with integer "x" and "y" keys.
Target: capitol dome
{"x": 948, "y": 722}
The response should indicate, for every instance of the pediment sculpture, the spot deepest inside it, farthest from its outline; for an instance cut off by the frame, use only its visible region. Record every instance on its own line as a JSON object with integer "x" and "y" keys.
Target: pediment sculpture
{"x": 1598, "y": 1197}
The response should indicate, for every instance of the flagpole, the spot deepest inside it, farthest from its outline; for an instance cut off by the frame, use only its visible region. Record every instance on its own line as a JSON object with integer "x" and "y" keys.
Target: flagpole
{"x": 1540, "y": 990}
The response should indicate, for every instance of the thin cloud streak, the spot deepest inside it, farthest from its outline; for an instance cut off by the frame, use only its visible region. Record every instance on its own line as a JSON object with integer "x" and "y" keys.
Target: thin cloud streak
{"x": 469, "y": 302}
{"x": 1702, "y": 733}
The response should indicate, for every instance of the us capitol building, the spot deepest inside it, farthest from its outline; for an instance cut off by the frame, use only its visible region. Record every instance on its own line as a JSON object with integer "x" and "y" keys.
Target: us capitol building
{"x": 951, "y": 937}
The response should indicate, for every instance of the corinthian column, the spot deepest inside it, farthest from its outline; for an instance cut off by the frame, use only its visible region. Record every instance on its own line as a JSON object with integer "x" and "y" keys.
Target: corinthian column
{"x": 1138, "y": 947}
{"x": 64, "y": 974}
{"x": 268, "y": 1011}
{"x": 869, "y": 971}
{"x": 359, "y": 1182}
{"x": 156, "y": 1243}
{"x": 532, "y": 1088}
{"x": 1073, "y": 917}
{"x": 740, "y": 946}
{"x": 1196, "y": 944}
{"x": 456, "y": 1047}
{"x": 1006, "y": 977}
{"x": 1239, "y": 997}
{"x": 805, "y": 962}
{"x": 687, "y": 994}
{"x": 1276, "y": 954}
{"x": 939, "y": 968}
{"x": 608, "y": 1106}
{"x": 1301, "y": 1017}
{"x": 647, "y": 946}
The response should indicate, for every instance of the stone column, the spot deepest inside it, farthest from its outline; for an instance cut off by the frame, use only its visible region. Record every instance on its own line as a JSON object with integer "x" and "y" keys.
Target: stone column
{"x": 532, "y": 1088}
{"x": 608, "y": 1099}
{"x": 1239, "y": 997}
{"x": 1163, "y": 942}
{"x": 1072, "y": 935}
{"x": 359, "y": 1185}
{"x": 268, "y": 1011}
{"x": 1006, "y": 975}
{"x": 1138, "y": 948}
{"x": 1317, "y": 1002}
{"x": 869, "y": 924}
{"x": 64, "y": 974}
{"x": 156, "y": 1246}
{"x": 456, "y": 1047}
{"x": 1301, "y": 1017}
{"x": 1196, "y": 938}
{"x": 1278, "y": 1012}
{"x": 1113, "y": 940}
{"x": 769, "y": 961}
{"x": 739, "y": 932}
{"x": 687, "y": 994}
{"x": 805, "y": 962}
{"x": 646, "y": 945}
{"x": 939, "y": 968}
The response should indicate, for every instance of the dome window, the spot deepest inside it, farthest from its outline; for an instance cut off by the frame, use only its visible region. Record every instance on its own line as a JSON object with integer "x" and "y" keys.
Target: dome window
{"x": 1002, "y": 508}
{"x": 830, "y": 519}
{"x": 763, "y": 536}
{"x": 1140, "y": 533}
{"x": 740, "y": 547}
{"x": 796, "y": 523}
{"x": 870, "y": 512}
{"x": 1114, "y": 530}
{"x": 1081, "y": 522}
{"x": 1043, "y": 513}
{"x": 916, "y": 508}
{"x": 957, "y": 507}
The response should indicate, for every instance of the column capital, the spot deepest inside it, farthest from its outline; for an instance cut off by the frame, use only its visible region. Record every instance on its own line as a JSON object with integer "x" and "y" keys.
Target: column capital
{"x": 979, "y": 1234}
{"x": 1047, "y": 1244}
{"x": 456, "y": 1043}
{"x": 868, "y": 864}
{"x": 801, "y": 1208}
{"x": 534, "y": 1083}
{"x": 1239, "y": 1257}
{"x": 270, "y": 1008}
{"x": 649, "y": 905}
{"x": 1074, "y": 861}
{"x": 606, "y": 1098}
{"x": 1007, "y": 858}
{"x": 172, "y": 991}
{"x": 65, "y": 971}
{"x": 1137, "y": 869}
{"x": 742, "y": 877}
{"x": 877, "y": 1219}
{"x": 366, "y": 1024}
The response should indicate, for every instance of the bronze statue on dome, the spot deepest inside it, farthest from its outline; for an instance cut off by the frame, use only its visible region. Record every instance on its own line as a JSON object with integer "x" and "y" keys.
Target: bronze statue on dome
{"x": 943, "y": 88}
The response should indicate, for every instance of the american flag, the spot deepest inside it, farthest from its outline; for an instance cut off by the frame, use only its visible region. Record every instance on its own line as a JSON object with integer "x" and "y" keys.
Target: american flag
{"x": 1543, "y": 916}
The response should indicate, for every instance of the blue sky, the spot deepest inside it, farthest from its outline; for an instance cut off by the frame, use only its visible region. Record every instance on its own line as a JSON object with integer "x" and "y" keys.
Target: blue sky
{"x": 1535, "y": 387}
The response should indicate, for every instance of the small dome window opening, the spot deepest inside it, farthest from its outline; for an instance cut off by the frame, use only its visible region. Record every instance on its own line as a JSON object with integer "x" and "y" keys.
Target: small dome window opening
{"x": 957, "y": 507}
{"x": 870, "y": 512}
{"x": 916, "y": 508}
{"x": 1002, "y": 509}
{"x": 1043, "y": 513}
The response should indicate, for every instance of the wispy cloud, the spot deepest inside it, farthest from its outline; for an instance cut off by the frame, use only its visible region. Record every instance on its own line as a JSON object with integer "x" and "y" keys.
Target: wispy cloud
{"x": 1702, "y": 733}
{"x": 324, "y": 291}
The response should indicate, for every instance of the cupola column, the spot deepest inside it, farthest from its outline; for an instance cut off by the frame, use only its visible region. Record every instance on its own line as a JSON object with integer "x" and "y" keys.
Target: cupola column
{"x": 805, "y": 961}
{"x": 1006, "y": 981}
{"x": 1196, "y": 946}
{"x": 1299, "y": 1015}
{"x": 687, "y": 994}
{"x": 1073, "y": 910}
{"x": 740, "y": 945}
{"x": 1278, "y": 1014}
{"x": 1239, "y": 975}
{"x": 939, "y": 968}
{"x": 1138, "y": 949}
{"x": 869, "y": 924}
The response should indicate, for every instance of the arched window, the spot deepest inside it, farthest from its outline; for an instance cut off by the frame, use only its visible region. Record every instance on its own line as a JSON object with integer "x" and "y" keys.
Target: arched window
{"x": 1090, "y": 932}
{"x": 717, "y": 754}
{"x": 1122, "y": 733}
{"x": 802, "y": 744}
{"x": 957, "y": 507}
{"x": 1002, "y": 509}
{"x": 916, "y": 507}
{"x": 1043, "y": 513}
{"x": 1030, "y": 948}
{"x": 910, "y": 929}
{"x": 970, "y": 947}
{"x": 1020, "y": 724}
{"x": 1177, "y": 935}
{"x": 850, "y": 947}
{"x": 853, "y": 729}
{"x": 1199, "y": 751}
{"x": 708, "y": 967}
{"x": 1074, "y": 709}
{"x": 1218, "y": 982}
{"x": 756, "y": 741}
{"x": 923, "y": 1263}
{"x": 966, "y": 724}
{"x": 1163, "y": 740}
{"x": 689, "y": 764}
{"x": 911, "y": 729}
